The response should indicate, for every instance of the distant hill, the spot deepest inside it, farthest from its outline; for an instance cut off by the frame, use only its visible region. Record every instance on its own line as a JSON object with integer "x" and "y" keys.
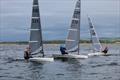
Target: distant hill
{"x": 102, "y": 40}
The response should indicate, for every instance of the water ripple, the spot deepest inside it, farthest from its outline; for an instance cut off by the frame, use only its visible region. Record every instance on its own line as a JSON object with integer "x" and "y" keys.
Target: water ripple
{"x": 109, "y": 64}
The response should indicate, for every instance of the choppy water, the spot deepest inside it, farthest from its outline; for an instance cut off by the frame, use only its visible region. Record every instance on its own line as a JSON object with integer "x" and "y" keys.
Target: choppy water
{"x": 94, "y": 68}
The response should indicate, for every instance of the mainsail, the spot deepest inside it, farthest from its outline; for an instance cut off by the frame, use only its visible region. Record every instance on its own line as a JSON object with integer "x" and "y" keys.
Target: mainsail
{"x": 72, "y": 41}
{"x": 35, "y": 43}
{"x": 94, "y": 37}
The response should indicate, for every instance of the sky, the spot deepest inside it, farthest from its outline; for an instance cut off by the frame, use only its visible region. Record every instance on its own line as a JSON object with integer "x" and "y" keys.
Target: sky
{"x": 56, "y": 15}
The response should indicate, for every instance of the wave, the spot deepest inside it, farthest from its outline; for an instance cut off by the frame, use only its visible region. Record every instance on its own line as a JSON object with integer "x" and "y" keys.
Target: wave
{"x": 109, "y": 64}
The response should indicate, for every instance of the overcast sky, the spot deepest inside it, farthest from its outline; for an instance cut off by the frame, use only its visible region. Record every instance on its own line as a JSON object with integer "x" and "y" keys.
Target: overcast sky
{"x": 15, "y": 18}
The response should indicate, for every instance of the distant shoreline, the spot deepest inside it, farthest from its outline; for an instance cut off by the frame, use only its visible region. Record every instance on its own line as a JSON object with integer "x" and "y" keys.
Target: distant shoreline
{"x": 62, "y": 41}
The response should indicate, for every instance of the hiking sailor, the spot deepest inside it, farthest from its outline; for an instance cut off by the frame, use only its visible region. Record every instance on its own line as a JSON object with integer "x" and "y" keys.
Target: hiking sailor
{"x": 27, "y": 53}
{"x": 63, "y": 50}
{"x": 105, "y": 50}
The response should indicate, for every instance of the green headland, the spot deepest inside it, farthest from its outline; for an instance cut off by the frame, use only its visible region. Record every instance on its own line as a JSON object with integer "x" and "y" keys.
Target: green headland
{"x": 102, "y": 40}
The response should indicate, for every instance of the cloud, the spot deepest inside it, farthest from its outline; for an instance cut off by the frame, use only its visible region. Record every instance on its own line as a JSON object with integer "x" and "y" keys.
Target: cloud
{"x": 56, "y": 17}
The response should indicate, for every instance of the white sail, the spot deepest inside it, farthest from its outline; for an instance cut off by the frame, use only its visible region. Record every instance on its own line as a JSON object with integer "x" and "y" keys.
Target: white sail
{"x": 35, "y": 43}
{"x": 94, "y": 37}
{"x": 72, "y": 41}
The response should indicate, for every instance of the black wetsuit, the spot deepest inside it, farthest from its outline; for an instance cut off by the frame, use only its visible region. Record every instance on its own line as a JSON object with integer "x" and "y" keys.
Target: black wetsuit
{"x": 105, "y": 50}
{"x": 62, "y": 49}
{"x": 26, "y": 55}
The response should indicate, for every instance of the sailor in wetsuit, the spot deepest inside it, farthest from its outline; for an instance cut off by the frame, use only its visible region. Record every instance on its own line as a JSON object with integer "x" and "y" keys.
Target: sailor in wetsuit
{"x": 63, "y": 50}
{"x": 27, "y": 53}
{"x": 105, "y": 50}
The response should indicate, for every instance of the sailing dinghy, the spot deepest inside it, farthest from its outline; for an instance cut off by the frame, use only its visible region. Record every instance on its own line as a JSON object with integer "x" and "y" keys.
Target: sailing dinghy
{"x": 72, "y": 41}
{"x": 96, "y": 45}
{"x": 36, "y": 43}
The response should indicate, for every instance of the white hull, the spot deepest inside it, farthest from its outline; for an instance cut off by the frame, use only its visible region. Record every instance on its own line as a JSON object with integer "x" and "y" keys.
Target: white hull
{"x": 72, "y": 56}
{"x": 37, "y": 59}
{"x": 41, "y": 59}
{"x": 96, "y": 54}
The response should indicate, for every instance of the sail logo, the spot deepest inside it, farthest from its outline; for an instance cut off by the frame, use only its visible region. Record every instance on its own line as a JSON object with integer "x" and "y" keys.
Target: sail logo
{"x": 92, "y": 32}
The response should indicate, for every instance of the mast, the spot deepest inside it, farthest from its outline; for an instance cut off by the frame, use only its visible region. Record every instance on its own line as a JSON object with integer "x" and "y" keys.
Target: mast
{"x": 79, "y": 27}
{"x": 35, "y": 42}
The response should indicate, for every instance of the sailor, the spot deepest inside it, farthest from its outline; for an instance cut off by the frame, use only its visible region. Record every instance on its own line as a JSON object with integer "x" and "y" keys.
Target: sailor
{"x": 27, "y": 53}
{"x": 63, "y": 50}
{"x": 105, "y": 50}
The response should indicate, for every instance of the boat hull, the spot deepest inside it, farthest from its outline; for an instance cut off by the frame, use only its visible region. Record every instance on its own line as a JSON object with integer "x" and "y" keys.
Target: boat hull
{"x": 37, "y": 59}
{"x": 40, "y": 59}
{"x": 72, "y": 56}
{"x": 96, "y": 54}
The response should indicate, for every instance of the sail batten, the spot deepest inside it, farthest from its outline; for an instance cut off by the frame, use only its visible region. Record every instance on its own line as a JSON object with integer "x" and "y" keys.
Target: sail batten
{"x": 35, "y": 5}
{"x": 36, "y": 17}
{"x": 77, "y": 8}
{"x": 94, "y": 37}
{"x": 35, "y": 43}
{"x": 32, "y": 41}
{"x": 75, "y": 19}
{"x": 72, "y": 41}
{"x": 73, "y": 29}
{"x": 34, "y": 29}
{"x": 69, "y": 40}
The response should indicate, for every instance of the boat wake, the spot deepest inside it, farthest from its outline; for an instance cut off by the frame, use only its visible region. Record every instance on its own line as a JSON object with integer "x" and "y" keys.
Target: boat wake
{"x": 109, "y": 64}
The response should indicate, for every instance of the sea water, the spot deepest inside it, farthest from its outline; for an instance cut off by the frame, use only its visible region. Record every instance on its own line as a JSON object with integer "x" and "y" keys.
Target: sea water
{"x": 93, "y": 68}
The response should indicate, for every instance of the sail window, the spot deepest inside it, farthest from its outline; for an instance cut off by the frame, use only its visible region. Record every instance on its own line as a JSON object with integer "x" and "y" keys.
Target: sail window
{"x": 77, "y": 12}
{"x": 78, "y": 5}
{"x": 93, "y": 32}
{"x": 35, "y": 2}
{"x": 35, "y": 10}
{"x": 35, "y": 20}
{"x": 76, "y": 16}
{"x": 91, "y": 26}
